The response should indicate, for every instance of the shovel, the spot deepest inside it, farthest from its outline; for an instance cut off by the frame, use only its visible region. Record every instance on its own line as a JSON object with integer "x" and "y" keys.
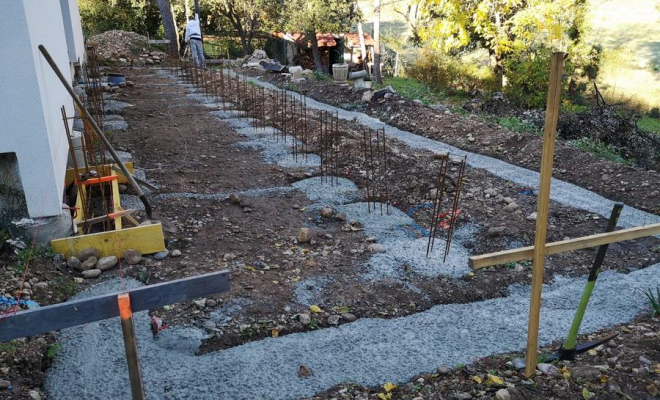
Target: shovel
{"x": 167, "y": 225}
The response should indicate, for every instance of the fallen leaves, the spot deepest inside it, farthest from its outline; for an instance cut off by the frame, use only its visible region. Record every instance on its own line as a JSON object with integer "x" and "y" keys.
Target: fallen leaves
{"x": 316, "y": 309}
{"x": 304, "y": 372}
{"x": 389, "y": 386}
{"x": 494, "y": 380}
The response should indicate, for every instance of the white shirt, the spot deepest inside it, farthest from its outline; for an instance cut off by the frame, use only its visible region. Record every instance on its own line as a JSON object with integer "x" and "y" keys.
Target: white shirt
{"x": 193, "y": 31}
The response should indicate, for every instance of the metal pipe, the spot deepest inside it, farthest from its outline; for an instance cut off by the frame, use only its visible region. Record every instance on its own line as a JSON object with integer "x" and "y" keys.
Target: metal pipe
{"x": 99, "y": 133}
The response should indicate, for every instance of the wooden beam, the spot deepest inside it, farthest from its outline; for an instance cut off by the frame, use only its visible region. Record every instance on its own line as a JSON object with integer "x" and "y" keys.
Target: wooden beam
{"x": 103, "y": 218}
{"x": 547, "y": 158}
{"x": 79, "y": 312}
{"x": 146, "y": 238}
{"x": 563, "y": 246}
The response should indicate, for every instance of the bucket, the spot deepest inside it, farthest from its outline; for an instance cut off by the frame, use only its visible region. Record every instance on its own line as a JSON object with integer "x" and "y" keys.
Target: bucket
{"x": 340, "y": 72}
{"x": 116, "y": 79}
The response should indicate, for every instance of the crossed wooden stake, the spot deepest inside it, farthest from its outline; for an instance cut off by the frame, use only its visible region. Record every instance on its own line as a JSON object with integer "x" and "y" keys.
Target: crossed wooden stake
{"x": 541, "y": 248}
{"x": 84, "y": 311}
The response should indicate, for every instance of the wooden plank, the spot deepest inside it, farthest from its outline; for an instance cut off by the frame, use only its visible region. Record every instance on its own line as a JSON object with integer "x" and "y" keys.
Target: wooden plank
{"x": 130, "y": 346}
{"x": 547, "y": 158}
{"x": 146, "y": 238}
{"x": 159, "y": 41}
{"x": 116, "y": 200}
{"x": 563, "y": 246}
{"x": 79, "y": 312}
{"x": 70, "y": 175}
{"x": 103, "y": 218}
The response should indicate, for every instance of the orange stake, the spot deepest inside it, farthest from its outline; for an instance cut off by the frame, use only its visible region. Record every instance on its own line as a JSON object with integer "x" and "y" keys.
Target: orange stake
{"x": 130, "y": 345}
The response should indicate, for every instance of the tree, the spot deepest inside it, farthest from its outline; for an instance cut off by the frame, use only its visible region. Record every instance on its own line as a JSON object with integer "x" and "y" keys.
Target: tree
{"x": 320, "y": 16}
{"x": 169, "y": 26}
{"x": 139, "y": 16}
{"x": 246, "y": 17}
{"x": 501, "y": 26}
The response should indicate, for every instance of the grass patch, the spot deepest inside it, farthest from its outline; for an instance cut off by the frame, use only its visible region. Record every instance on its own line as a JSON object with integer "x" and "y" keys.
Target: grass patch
{"x": 413, "y": 90}
{"x": 515, "y": 124}
{"x": 9, "y": 348}
{"x": 601, "y": 150}
{"x": 320, "y": 76}
{"x": 654, "y": 300}
{"x": 292, "y": 86}
{"x": 649, "y": 124}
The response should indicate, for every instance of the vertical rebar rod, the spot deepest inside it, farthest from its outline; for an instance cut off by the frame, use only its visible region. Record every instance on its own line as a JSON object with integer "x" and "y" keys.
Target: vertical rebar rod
{"x": 453, "y": 216}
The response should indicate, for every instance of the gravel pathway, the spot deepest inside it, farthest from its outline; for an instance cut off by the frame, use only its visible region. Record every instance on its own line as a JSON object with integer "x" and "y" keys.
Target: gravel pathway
{"x": 91, "y": 364}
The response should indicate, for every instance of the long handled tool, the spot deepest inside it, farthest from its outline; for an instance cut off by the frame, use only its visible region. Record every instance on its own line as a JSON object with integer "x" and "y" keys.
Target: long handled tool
{"x": 147, "y": 205}
{"x": 569, "y": 349}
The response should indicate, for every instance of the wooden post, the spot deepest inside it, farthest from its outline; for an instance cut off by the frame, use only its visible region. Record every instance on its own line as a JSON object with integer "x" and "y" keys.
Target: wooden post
{"x": 130, "y": 344}
{"x": 377, "y": 76}
{"x": 547, "y": 157}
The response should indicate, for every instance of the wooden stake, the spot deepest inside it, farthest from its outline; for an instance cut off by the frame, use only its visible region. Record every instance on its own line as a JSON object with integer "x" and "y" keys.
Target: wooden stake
{"x": 547, "y": 157}
{"x": 130, "y": 344}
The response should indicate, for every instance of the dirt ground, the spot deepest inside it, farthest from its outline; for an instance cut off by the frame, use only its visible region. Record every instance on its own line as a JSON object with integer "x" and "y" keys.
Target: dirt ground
{"x": 184, "y": 149}
{"x": 637, "y": 187}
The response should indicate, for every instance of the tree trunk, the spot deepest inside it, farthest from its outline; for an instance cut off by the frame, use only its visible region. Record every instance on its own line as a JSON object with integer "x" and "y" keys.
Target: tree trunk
{"x": 377, "y": 77}
{"x": 245, "y": 44}
{"x": 187, "y": 9}
{"x": 315, "y": 52}
{"x": 169, "y": 26}
{"x": 363, "y": 48}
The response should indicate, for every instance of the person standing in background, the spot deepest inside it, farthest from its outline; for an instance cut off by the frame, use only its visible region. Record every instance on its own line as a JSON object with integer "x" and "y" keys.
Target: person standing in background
{"x": 194, "y": 39}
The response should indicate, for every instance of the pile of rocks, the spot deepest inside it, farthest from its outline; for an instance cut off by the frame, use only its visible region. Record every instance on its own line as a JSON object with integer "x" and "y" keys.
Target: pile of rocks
{"x": 125, "y": 48}
{"x": 91, "y": 265}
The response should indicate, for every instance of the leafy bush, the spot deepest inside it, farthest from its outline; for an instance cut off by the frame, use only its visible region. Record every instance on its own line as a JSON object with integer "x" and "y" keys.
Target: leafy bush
{"x": 448, "y": 74}
{"x": 141, "y": 16}
{"x": 600, "y": 149}
{"x": 528, "y": 74}
{"x": 655, "y": 112}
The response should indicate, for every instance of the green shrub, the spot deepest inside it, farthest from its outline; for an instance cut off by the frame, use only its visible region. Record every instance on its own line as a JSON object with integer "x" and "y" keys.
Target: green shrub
{"x": 655, "y": 112}
{"x": 601, "y": 150}
{"x": 517, "y": 125}
{"x": 528, "y": 74}
{"x": 447, "y": 74}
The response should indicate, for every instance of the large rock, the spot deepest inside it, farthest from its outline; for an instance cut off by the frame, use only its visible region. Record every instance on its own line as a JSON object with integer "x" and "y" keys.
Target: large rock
{"x": 107, "y": 263}
{"x": 367, "y": 96}
{"x": 376, "y": 248}
{"x": 296, "y": 73}
{"x": 87, "y": 253}
{"x": 92, "y": 273}
{"x": 304, "y": 235}
{"x": 90, "y": 263}
{"x": 382, "y": 92}
{"x": 73, "y": 262}
{"x": 132, "y": 256}
{"x": 503, "y": 394}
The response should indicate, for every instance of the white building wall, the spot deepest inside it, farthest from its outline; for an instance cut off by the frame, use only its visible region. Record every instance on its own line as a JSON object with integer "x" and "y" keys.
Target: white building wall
{"x": 73, "y": 30}
{"x": 31, "y": 122}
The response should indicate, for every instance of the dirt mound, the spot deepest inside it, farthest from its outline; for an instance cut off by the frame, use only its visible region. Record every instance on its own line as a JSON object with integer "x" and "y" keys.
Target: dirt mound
{"x": 614, "y": 127}
{"x": 125, "y": 47}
